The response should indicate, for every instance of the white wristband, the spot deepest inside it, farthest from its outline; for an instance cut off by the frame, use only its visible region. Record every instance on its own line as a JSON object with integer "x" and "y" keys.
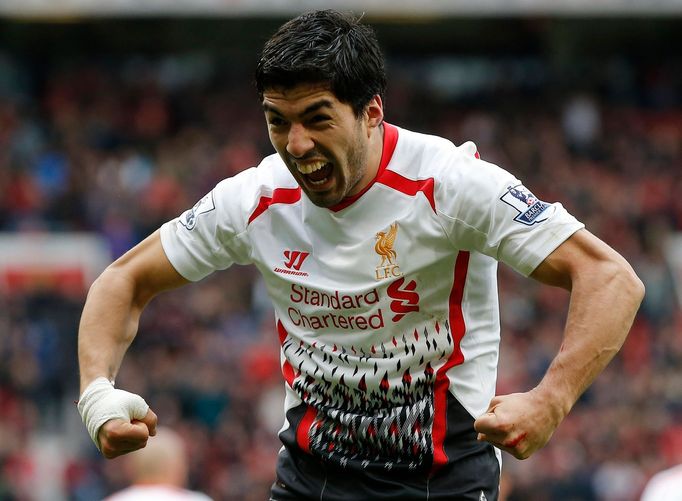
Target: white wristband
{"x": 101, "y": 402}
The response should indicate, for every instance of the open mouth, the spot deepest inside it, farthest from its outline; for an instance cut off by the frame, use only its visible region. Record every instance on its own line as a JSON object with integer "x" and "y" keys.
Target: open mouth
{"x": 316, "y": 173}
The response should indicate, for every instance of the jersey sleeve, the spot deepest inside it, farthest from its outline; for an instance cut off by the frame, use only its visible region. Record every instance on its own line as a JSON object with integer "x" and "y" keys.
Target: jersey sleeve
{"x": 489, "y": 210}
{"x": 212, "y": 234}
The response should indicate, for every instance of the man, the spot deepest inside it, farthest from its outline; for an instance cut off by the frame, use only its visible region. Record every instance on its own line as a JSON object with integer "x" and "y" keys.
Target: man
{"x": 379, "y": 249}
{"x": 159, "y": 471}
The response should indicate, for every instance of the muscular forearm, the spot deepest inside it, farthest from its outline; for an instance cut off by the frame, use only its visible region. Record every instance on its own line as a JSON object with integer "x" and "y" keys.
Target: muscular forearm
{"x": 603, "y": 304}
{"x": 117, "y": 421}
{"x": 115, "y": 302}
{"x": 605, "y": 294}
{"x": 108, "y": 325}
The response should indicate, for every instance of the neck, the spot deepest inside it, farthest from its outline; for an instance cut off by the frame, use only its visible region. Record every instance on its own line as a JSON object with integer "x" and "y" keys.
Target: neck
{"x": 376, "y": 149}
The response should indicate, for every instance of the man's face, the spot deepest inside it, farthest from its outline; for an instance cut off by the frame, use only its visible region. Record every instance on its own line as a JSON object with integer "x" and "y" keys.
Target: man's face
{"x": 324, "y": 145}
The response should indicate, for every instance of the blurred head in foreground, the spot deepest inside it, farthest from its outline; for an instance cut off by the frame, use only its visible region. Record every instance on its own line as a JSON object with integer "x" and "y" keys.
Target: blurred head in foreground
{"x": 158, "y": 471}
{"x": 162, "y": 461}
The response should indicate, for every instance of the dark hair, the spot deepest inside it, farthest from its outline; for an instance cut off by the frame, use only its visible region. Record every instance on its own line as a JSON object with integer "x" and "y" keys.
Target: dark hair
{"x": 325, "y": 46}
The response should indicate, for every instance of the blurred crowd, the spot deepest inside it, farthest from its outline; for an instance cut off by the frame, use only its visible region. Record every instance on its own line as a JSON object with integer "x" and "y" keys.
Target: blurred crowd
{"x": 119, "y": 146}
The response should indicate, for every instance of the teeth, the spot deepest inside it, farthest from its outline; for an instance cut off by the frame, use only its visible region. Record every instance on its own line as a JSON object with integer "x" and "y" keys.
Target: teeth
{"x": 309, "y": 168}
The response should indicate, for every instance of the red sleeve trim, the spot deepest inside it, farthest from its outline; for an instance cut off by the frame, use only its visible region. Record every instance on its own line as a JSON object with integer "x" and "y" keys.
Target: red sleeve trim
{"x": 409, "y": 186}
{"x": 279, "y": 196}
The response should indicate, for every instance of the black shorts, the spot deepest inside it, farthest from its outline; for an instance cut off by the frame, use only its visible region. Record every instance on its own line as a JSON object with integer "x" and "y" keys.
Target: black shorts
{"x": 301, "y": 476}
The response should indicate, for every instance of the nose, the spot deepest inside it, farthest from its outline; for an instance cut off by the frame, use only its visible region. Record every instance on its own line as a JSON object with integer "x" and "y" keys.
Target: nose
{"x": 299, "y": 141}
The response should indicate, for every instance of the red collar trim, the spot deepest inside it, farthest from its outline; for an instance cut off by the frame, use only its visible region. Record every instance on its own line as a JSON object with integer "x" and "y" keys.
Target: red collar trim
{"x": 390, "y": 141}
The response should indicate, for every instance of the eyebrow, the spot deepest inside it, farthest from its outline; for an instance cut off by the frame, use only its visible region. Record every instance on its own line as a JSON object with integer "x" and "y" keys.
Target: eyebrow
{"x": 317, "y": 105}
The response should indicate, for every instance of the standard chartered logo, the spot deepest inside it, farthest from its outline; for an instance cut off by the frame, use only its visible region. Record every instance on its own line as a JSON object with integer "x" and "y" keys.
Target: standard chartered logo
{"x": 330, "y": 309}
{"x": 316, "y": 310}
{"x": 405, "y": 298}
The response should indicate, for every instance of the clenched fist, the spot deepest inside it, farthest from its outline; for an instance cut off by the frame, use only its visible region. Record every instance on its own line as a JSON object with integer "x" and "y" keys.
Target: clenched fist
{"x": 118, "y": 437}
{"x": 519, "y": 423}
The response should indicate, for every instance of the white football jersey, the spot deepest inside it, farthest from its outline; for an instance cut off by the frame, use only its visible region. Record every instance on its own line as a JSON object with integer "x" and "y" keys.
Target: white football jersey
{"x": 387, "y": 307}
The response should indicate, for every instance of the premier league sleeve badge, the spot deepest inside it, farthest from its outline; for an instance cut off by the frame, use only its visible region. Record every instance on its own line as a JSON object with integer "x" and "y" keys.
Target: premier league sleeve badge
{"x": 531, "y": 210}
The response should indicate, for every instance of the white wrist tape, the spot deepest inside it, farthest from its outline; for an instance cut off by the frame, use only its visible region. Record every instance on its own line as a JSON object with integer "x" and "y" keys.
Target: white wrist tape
{"x": 101, "y": 402}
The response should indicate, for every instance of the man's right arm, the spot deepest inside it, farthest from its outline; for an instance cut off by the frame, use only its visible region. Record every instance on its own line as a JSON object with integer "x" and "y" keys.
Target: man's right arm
{"x": 108, "y": 325}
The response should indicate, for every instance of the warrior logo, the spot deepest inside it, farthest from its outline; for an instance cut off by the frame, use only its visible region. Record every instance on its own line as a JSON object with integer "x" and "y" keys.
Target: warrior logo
{"x": 295, "y": 259}
{"x": 384, "y": 247}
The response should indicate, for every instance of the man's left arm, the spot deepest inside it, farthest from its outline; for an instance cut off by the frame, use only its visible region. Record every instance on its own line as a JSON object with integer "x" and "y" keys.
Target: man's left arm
{"x": 605, "y": 295}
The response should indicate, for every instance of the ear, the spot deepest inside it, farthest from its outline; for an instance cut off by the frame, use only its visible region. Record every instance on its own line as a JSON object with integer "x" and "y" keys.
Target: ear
{"x": 374, "y": 112}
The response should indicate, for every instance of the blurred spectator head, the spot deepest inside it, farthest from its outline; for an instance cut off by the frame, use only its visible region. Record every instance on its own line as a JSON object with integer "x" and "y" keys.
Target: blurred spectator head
{"x": 163, "y": 461}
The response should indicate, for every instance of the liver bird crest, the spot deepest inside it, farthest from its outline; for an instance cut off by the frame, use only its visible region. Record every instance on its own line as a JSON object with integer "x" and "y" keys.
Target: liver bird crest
{"x": 384, "y": 245}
